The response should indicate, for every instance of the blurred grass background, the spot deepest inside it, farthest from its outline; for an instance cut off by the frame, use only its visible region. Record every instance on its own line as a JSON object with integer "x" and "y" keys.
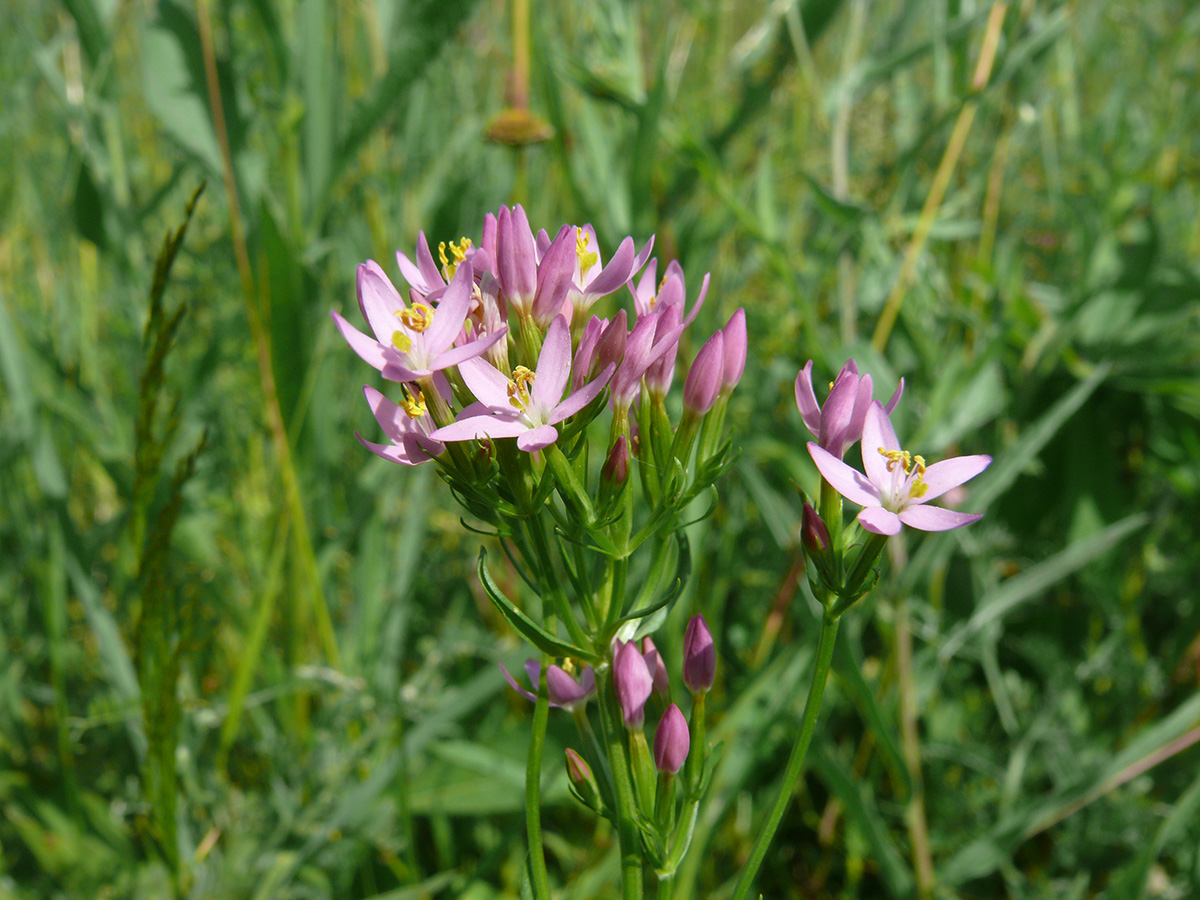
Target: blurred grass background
{"x": 241, "y": 657}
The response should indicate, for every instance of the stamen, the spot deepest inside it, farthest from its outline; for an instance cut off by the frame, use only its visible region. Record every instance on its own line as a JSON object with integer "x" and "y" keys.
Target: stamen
{"x": 569, "y": 666}
{"x": 401, "y": 341}
{"x": 519, "y": 386}
{"x": 415, "y": 406}
{"x": 901, "y": 458}
{"x": 587, "y": 258}
{"x": 419, "y": 318}
{"x": 458, "y": 250}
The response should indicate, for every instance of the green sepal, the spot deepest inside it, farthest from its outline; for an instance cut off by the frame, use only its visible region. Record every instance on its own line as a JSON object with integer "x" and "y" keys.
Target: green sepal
{"x": 681, "y": 841}
{"x": 524, "y": 625}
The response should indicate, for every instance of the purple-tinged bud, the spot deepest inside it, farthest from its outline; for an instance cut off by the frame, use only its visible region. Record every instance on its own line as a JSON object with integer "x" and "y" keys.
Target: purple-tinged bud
{"x": 703, "y": 382}
{"x": 611, "y": 346}
{"x": 583, "y": 782}
{"x": 671, "y": 741}
{"x": 616, "y": 466}
{"x": 699, "y": 656}
{"x": 658, "y": 669}
{"x": 813, "y": 533}
{"x": 577, "y": 769}
{"x": 661, "y": 372}
{"x": 735, "y": 351}
{"x": 632, "y": 683}
{"x": 555, "y": 277}
{"x": 581, "y": 365}
{"x": 515, "y": 262}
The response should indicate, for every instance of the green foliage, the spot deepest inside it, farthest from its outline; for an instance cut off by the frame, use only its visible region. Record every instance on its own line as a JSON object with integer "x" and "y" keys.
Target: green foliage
{"x": 269, "y": 670}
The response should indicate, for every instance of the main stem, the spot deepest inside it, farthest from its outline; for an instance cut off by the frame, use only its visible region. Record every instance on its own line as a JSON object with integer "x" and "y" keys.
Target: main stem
{"x": 538, "y": 876}
{"x": 628, "y": 835}
{"x": 795, "y": 763}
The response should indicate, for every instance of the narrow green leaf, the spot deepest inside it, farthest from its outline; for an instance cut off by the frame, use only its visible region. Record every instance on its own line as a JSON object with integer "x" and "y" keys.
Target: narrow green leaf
{"x": 524, "y": 625}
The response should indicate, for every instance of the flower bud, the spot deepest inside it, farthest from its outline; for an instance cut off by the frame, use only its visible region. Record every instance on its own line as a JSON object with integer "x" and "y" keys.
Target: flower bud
{"x": 616, "y": 466}
{"x": 515, "y": 260}
{"x": 735, "y": 351}
{"x": 578, "y": 770}
{"x": 632, "y": 683}
{"x": 658, "y": 669}
{"x": 813, "y": 533}
{"x": 671, "y": 741}
{"x": 699, "y": 656}
{"x": 703, "y": 382}
{"x": 583, "y": 783}
{"x": 554, "y": 278}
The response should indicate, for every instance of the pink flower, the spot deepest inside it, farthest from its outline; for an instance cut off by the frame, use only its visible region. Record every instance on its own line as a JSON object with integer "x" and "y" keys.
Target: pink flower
{"x": 898, "y": 484}
{"x": 408, "y": 428}
{"x": 671, "y": 741}
{"x": 839, "y": 423}
{"x": 563, "y": 690}
{"x": 412, "y": 343}
{"x": 528, "y": 405}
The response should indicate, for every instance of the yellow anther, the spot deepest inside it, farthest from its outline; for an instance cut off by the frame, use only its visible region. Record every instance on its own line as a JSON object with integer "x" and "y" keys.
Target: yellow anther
{"x": 569, "y": 667}
{"x": 587, "y": 257}
{"x": 895, "y": 458}
{"x": 401, "y": 341}
{"x": 418, "y": 318}
{"x": 920, "y": 463}
{"x": 519, "y": 386}
{"x": 458, "y": 250}
{"x": 415, "y": 406}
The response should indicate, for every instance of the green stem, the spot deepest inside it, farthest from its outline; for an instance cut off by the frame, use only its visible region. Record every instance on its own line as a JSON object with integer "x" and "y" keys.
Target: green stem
{"x": 628, "y": 835}
{"x": 541, "y": 549}
{"x": 795, "y": 763}
{"x": 538, "y": 875}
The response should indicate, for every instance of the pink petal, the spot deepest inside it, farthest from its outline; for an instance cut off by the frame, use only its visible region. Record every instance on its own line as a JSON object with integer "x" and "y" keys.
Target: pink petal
{"x": 581, "y": 397}
{"x": 879, "y": 520}
{"x": 379, "y": 301}
{"x": 562, "y": 688}
{"x": 691, "y": 316}
{"x": 474, "y": 428}
{"x": 487, "y": 383}
{"x": 891, "y": 404}
{"x": 536, "y": 438}
{"x": 643, "y": 255}
{"x": 455, "y": 356}
{"x": 389, "y": 416}
{"x": 934, "y": 518}
{"x": 409, "y": 453}
{"x": 512, "y": 682}
{"x": 950, "y": 473}
{"x": 845, "y": 480}
{"x": 553, "y": 368}
{"x": 878, "y": 432}
{"x": 806, "y": 401}
{"x": 838, "y": 413}
{"x": 429, "y": 269}
{"x": 616, "y": 273}
{"x": 451, "y": 311}
{"x": 372, "y": 352}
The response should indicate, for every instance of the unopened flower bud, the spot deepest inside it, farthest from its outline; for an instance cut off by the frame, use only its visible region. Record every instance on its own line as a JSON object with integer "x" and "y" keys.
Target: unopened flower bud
{"x": 813, "y": 533}
{"x": 658, "y": 669}
{"x": 671, "y": 741}
{"x": 577, "y": 768}
{"x": 699, "y": 656}
{"x": 703, "y": 382}
{"x": 632, "y": 683}
{"x": 616, "y": 466}
{"x": 735, "y": 351}
{"x": 583, "y": 783}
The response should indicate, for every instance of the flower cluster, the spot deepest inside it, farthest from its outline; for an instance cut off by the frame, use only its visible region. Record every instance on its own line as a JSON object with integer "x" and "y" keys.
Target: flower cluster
{"x": 893, "y": 492}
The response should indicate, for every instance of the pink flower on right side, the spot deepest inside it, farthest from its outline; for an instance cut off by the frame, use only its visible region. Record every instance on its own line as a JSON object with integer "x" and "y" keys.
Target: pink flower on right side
{"x": 898, "y": 484}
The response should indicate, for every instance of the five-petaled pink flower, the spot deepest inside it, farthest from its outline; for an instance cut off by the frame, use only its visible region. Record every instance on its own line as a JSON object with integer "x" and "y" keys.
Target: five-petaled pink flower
{"x": 411, "y": 343}
{"x": 897, "y": 484}
{"x": 528, "y": 405}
